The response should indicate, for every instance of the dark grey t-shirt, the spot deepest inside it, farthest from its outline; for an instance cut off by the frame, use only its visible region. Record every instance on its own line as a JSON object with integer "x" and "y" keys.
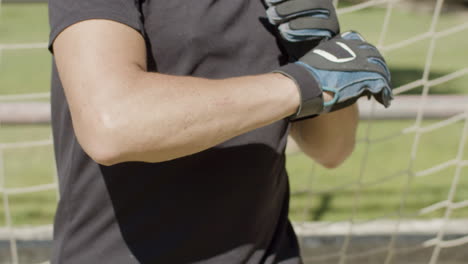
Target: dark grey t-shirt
{"x": 227, "y": 204}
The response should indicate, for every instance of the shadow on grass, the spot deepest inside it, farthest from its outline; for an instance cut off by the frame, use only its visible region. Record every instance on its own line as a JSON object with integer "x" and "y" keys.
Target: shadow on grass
{"x": 402, "y": 76}
{"x": 324, "y": 207}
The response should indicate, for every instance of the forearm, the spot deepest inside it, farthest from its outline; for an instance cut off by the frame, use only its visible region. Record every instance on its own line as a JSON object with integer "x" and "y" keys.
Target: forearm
{"x": 167, "y": 117}
{"x": 329, "y": 139}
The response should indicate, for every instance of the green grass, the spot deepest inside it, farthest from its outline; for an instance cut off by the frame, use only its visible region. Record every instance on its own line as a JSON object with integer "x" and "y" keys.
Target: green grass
{"x": 31, "y": 166}
{"x": 25, "y": 167}
{"x": 29, "y": 71}
{"x": 385, "y": 158}
{"x": 23, "y": 23}
{"x": 24, "y": 71}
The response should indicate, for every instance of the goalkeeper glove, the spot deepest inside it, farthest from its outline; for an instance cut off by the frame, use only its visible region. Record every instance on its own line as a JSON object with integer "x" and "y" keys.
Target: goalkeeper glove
{"x": 345, "y": 65}
{"x": 302, "y": 23}
{"x": 300, "y": 20}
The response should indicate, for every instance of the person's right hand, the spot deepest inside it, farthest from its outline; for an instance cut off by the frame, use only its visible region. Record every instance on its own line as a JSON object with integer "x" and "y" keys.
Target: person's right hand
{"x": 346, "y": 66}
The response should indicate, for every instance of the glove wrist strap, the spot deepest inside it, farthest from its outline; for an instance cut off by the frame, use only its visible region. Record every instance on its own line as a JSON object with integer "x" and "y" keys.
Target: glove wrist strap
{"x": 309, "y": 90}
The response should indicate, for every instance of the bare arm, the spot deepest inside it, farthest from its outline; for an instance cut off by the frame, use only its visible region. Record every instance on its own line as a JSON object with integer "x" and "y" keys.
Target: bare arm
{"x": 329, "y": 139}
{"x": 121, "y": 112}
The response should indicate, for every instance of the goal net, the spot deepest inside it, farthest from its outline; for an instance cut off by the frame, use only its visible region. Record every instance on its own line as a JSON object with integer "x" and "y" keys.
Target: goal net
{"x": 402, "y": 197}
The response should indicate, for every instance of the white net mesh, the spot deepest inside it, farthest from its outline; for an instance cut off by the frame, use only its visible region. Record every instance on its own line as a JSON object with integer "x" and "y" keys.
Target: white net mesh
{"x": 394, "y": 223}
{"x": 417, "y": 130}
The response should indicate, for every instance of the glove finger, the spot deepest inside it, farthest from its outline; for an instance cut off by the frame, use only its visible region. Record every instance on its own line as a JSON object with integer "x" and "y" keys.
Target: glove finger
{"x": 366, "y": 45}
{"x": 366, "y": 50}
{"x": 384, "y": 97}
{"x": 292, "y": 35}
{"x": 371, "y": 56}
{"x": 276, "y": 17}
{"x": 303, "y": 23}
{"x": 352, "y": 35}
{"x": 273, "y": 2}
{"x": 296, "y": 8}
{"x": 380, "y": 62}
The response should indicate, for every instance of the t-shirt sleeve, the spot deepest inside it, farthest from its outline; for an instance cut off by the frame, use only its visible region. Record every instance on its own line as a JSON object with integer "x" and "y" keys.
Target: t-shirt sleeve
{"x": 64, "y": 13}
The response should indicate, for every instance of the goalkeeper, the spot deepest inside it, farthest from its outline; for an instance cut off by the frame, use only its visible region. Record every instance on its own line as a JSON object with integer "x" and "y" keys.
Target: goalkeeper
{"x": 170, "y": 121}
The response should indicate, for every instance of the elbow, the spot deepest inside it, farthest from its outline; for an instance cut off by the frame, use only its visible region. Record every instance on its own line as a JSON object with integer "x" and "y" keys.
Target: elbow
{"x": 331, "y": 164}
{"x": 104, "y": 119}
{"x": 103, "y": 155}
{"x": 109, "y": 136}
{"x": 101, "y": 139}
{"x": 105, "y": 160}
{"x": 332, "y": 158}
{"x": 103, "y": 151}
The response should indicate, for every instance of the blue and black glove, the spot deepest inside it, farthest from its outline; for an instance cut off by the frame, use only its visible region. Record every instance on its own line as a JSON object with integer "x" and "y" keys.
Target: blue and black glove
{"x": 300, "y": 20}
{"x": 345, "y": 65}
{"x": 302, "y": 23}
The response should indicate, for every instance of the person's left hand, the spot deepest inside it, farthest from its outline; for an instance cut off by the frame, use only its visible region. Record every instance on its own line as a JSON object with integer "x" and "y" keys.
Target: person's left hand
{"x": 300, "y": 20}
{"x": 302, "y": 23}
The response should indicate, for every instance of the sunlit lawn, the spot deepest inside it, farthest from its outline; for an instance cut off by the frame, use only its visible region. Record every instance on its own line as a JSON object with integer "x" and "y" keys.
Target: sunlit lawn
{"x": 361, "y": 182}
{"x": 28, "y": 71}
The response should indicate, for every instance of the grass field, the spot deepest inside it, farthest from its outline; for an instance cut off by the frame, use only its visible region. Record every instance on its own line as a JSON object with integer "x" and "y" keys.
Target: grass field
{"x": 386, "y": 158}
{"x": 26, "y": 71}
{"x": 30, "y": 166}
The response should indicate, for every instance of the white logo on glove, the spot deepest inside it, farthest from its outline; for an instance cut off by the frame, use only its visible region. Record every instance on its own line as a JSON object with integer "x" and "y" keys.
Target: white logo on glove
{"x": 333, "y": 58}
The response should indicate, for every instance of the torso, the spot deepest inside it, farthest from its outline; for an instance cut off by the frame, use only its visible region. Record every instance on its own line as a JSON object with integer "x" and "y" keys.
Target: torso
{"x": 227, "y": 204}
